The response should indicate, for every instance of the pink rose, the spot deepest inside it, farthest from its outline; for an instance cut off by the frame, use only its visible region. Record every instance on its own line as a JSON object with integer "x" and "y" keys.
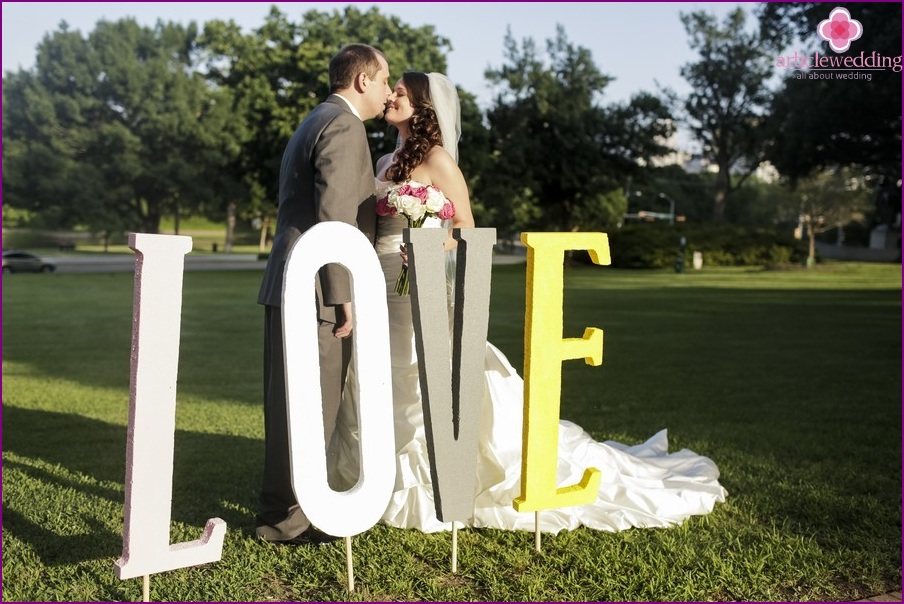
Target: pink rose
{"x": 404, "y": 190}
{"x": 384, "y": 209}
{"x": 421, "y": 193}
{"x": 447, "y": 212}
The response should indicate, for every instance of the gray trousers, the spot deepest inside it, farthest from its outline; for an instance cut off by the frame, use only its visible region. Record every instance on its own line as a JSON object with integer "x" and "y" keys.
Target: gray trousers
{"x": 279, "y": 516}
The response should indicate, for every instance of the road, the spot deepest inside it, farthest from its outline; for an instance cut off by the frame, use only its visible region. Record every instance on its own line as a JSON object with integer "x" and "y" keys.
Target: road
{"x": 119, "y": 263}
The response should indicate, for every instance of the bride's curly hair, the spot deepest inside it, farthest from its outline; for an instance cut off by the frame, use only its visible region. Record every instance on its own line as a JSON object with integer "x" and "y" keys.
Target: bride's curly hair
{"x": 423, "y": 128}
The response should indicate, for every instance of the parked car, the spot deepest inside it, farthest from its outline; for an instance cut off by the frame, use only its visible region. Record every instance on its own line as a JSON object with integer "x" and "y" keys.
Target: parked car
{"x": 15, "y": 261}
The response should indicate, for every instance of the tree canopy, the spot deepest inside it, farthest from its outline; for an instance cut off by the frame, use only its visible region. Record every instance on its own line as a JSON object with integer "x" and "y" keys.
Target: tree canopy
{"x": 278, "y": 73}
{"x": 115, "y": 129}
{"x": 726, "y": 108}
{"x": 559, "y": 158}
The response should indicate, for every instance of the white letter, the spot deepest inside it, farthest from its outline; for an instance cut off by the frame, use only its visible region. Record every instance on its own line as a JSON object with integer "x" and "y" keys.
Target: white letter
{"x": 156, "y": 313}
{"x": 354, "y": 511}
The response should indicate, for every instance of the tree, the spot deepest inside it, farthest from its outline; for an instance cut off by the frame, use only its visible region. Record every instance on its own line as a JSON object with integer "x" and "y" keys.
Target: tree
{"x": 726, "y": 108}
{"x": 278, "y": 73}
{"x": 558, "y": 157}
{"x": 827, "y": 200}
{"x": 691, "y": 192}
{"x": 823, "y": 124}
{"x": 42, "y": 171}
{"x": 474, "y": 153}
{"x": 114, "y": 130}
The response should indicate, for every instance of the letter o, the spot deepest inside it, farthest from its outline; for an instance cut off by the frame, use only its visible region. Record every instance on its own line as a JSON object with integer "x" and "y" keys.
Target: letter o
{"x": 354, "y": 511}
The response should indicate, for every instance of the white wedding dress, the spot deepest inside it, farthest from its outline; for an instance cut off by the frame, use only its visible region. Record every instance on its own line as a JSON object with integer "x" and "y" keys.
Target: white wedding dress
{"x": 642, "y": 485}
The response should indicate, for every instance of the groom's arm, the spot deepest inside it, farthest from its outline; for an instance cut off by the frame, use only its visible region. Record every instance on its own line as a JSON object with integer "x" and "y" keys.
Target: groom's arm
{"x": 344, "y": 320}
{"x": 339, "y": 156}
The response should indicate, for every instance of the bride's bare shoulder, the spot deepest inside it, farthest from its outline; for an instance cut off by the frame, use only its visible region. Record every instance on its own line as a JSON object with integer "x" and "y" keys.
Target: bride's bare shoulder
{"x": 440, "y": 164}
{"x": 438, "y": 155}
{"x": 439, "y": 160}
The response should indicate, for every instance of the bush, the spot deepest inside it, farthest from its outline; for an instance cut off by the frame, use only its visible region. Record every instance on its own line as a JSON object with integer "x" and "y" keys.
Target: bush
{"x": 659, "y": 246}
{"x": 38, "y": 239}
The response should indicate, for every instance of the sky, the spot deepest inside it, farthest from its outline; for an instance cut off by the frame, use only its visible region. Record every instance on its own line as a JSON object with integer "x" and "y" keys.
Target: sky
{"x": 638, "y": 43}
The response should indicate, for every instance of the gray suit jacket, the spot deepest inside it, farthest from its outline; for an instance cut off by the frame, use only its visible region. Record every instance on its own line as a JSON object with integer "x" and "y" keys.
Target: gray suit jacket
{"x": 326, "y": 175}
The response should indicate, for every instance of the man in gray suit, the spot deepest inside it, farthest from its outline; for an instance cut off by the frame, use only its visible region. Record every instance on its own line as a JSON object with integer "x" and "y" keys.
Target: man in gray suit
{"x": 326, "y": 175}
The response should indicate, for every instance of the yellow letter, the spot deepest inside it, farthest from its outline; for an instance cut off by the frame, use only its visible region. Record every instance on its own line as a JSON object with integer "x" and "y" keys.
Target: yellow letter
{"x": 544, "y": 351}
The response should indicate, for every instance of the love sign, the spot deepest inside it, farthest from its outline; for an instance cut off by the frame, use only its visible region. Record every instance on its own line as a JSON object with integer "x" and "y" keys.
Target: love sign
{"x": 451, "y": 380}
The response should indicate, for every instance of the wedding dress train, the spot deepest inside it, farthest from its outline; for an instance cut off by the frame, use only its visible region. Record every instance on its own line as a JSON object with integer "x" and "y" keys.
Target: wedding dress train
{"x": 642, "y": 485}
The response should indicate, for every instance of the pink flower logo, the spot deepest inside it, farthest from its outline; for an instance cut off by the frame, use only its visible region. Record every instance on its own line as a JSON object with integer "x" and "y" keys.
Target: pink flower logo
{"x": 839, "y": 30}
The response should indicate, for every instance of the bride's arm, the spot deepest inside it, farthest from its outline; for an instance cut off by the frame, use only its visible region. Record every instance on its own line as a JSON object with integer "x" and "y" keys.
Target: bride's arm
{"x": 445, "y": 174}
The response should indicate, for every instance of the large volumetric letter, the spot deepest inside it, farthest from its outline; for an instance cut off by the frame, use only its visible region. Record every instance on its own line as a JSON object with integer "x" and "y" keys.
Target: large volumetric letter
{"x": 156, "y": 313}
{"x": 349, "y": 512}
{"x": 452, "y": 386}
{"x": 544, "y": 351}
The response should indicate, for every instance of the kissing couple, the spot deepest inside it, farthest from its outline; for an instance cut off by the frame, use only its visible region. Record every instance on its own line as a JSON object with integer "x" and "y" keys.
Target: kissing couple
{"x": 327, "y": 174}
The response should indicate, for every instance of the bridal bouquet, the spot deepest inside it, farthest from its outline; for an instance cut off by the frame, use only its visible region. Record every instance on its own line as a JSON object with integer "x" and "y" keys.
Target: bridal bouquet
{"x": 416, "y": 202}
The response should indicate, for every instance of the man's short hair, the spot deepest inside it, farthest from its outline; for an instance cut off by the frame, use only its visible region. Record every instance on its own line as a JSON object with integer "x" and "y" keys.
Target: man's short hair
{"x": 351, "y": 60}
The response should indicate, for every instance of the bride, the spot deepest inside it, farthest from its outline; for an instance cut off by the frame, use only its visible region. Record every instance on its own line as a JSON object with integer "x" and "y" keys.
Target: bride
{"x": 643, "y": 485}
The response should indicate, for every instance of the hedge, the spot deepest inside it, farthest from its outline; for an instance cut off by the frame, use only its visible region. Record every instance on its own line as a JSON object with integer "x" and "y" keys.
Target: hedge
{"x": 659, "y": 246}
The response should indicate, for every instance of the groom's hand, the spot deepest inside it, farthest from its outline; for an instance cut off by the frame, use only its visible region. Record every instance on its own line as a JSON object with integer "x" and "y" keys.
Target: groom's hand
{"x": 343, "y": 327}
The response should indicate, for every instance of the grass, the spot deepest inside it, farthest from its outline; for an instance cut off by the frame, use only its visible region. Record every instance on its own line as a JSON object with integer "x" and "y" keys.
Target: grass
{"x": 789, "y": 380}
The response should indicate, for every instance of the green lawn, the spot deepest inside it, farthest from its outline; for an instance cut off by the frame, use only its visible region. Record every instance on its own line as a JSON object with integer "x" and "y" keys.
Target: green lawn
{"x": 789, "y": 380}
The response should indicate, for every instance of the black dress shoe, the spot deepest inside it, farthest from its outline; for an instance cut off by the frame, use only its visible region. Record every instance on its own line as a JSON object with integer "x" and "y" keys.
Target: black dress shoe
{"x": 311, "y": 536}
{"x": 319, "y": 537}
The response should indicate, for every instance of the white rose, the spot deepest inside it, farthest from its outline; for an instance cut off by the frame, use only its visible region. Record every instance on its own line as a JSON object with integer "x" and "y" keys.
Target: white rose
{"x": 411, "y": 206}
{"x": 435, "y": 200}
{"x": 396, "y": 200}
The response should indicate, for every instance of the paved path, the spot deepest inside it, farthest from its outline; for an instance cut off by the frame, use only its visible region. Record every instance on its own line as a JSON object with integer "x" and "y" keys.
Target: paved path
{"x": 121, "y": 263}
{"x": 894, "y": 596}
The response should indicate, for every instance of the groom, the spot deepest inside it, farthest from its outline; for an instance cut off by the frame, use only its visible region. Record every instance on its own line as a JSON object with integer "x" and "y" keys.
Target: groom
{"x": 326, "y": 175}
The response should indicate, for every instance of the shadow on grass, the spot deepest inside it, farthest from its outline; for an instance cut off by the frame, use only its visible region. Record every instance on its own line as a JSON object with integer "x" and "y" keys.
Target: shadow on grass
{"x": 213, "y": 476}
{"x": 78, "y": 327}
{"x": 57, "y": 550}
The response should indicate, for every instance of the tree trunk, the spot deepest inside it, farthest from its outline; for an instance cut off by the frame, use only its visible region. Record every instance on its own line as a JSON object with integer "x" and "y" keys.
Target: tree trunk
{"x": 265, "y": 229}
{"x": 723, "y": 184}
{"x": 811, "y": 233}
{"x": 230, "y": 226}
{"x": 151, "y": 223}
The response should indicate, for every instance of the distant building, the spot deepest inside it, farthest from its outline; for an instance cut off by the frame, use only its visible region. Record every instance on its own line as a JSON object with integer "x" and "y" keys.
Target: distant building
{"x": 696, "y": 164}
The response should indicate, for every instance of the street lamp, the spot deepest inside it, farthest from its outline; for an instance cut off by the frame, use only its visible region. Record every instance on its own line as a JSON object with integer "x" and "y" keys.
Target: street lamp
{"x": 654, "y": 215}
{"x": 671, "y": 207}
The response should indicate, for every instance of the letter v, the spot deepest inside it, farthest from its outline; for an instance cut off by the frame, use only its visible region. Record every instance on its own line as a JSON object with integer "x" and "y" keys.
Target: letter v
{"x": 452, "y": 389}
